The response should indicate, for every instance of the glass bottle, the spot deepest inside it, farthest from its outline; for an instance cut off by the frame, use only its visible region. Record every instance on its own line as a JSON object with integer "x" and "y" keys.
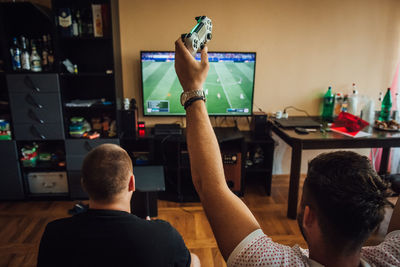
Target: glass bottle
{"x": 50, "y": 55}
{"x": 36, "y": 61}
{"x": 79, "y": 22}
{"x": 386, "y": 106}
{"x": 75, "y": 26}
{"x": 45, "y": 53}
{"x": 338, "y": 104}
{"x": 353, "y": 101}
{"x": 25, "y": 57}
{"x": 15, "y": 55}
{"x": 328, "y": 105}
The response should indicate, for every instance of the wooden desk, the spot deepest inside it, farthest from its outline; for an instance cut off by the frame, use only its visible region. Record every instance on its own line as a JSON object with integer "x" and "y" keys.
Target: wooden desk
{"x": 329, "y": 140}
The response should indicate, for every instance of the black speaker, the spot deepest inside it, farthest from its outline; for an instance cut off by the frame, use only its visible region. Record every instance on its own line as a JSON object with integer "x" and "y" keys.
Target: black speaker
{"x": 259, "y": 125}
{"x": 128, "y": 123}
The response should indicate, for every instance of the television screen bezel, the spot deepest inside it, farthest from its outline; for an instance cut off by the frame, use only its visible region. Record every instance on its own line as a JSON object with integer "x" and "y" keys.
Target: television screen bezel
{"x": 210, "y": 115}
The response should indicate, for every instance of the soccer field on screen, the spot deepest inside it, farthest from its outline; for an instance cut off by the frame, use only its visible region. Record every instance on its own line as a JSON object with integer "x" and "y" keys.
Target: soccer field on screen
{"x": 229, "y": 87}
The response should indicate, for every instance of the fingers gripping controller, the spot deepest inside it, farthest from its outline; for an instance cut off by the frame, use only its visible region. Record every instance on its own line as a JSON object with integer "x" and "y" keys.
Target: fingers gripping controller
{"x": 197, "y": 38}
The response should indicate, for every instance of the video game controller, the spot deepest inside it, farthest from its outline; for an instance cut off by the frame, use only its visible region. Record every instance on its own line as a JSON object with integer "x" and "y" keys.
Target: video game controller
{"x": 199, "y": 35}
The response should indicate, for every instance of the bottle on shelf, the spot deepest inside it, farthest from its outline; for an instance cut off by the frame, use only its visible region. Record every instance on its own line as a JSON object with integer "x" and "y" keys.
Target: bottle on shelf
{"x": 397, "y": 106}
{"x": 97, "y": 20}
{"x": 50, "y": 55}
{"x": 79, "y": 22}
{"x": 338, "y": 104}
{"x": 84, "y": 22}
{"x": 65, "y": 22}
{"x": 36, "y": 61}
{"x": 353, "y": 101}
{"x": 89, "y": 22}
{"x": 45, "y": 54}
{"x": 39, "y": 46}
{"x": 25, "y": 57}
{"x": 328, "y": 104}
{"x": 75, "y": 26}
{"x": 386, "y": 106}
{"x": 15, "y": 55}
{"x": 345, "y": 103}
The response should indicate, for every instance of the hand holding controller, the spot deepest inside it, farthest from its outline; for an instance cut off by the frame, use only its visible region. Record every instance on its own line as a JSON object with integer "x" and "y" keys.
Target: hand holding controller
{"x": 199, "y": 35}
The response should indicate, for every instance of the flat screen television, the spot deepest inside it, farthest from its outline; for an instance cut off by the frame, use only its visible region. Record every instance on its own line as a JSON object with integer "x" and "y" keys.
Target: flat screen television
{"x": 229, "y": 87}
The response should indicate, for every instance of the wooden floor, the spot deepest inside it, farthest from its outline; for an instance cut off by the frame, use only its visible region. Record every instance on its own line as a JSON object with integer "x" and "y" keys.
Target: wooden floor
{"x": 22, "y": 224}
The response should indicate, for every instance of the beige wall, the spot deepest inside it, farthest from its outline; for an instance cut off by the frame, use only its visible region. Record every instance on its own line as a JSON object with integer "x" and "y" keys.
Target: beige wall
{"x": 302, "y": 46}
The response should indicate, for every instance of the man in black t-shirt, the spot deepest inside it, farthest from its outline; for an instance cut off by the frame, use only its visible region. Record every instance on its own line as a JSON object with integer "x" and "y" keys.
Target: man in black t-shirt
{"x": 108, "y": 234}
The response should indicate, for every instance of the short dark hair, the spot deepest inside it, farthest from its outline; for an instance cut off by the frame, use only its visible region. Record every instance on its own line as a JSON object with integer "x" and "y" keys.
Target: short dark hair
{"x": 105, "y": 172}
{"x": 349, "y": 198}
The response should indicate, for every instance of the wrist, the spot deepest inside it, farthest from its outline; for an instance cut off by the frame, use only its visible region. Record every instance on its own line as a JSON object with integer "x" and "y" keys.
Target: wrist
{"x": 191, "y": 88}
{"x": 194, "y": 106}
{"x": 193, "y": 100}
{"x": 188, "y": 97}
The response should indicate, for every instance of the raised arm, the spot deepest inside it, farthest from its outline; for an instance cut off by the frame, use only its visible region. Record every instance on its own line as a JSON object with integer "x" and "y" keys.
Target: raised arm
{"x": 230, "y": 219}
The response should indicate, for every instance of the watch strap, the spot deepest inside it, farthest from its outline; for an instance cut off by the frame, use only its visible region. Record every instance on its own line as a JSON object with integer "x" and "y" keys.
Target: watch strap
{"x": 192, "y": 100}
{"x": 185, "y": 96}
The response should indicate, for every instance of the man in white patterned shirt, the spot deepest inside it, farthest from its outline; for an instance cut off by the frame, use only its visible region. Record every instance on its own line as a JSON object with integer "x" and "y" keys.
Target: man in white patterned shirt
{"x": 343, "y": 198}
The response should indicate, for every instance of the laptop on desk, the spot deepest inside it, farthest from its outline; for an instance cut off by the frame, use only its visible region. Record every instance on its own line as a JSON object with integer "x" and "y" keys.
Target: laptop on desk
{"x": 293, "y": 122}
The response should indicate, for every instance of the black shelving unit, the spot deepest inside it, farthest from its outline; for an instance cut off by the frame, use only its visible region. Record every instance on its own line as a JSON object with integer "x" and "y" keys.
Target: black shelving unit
{"x": 37, "y": 106}
{"x": 99, "y": 77}
{"x": 32, "y": 21}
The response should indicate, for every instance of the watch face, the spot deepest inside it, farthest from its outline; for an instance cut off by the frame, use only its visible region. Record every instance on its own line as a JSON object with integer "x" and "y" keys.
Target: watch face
{"x": 185, "y": 96}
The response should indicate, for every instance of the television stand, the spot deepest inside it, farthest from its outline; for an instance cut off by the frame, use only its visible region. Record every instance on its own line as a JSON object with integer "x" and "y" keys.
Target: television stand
{"x": 245, "y": 159}
{"x": 225, "y": 134}
{"x": 167, "y": 129}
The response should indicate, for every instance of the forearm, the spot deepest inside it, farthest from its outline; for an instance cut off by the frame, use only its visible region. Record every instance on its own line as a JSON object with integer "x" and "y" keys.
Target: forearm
{"x": 205, "y": 156}
{"x": 229, "y": 217}
{"x": 394, "y": 223}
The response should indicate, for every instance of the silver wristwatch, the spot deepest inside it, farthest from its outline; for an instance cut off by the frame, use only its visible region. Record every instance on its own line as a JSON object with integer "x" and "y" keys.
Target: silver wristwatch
{"x": 185, "y": 96}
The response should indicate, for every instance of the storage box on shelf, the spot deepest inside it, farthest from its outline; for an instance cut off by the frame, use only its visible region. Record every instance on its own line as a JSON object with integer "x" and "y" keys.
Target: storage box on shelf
{"x": 43, "y": 168}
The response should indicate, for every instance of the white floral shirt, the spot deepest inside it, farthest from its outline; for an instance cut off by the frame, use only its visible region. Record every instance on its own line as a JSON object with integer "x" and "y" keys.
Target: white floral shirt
{"x": 257, "y": 249}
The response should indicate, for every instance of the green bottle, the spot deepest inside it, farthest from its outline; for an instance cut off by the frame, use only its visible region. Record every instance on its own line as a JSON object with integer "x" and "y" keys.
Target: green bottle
{"x": 386, "y": 106}
{"x": 329, "y": 101}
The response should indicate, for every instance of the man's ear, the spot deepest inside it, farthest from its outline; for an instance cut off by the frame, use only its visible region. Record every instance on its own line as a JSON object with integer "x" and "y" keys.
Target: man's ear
{"x": 309, "y": 217}
{"x": 131, "y": 186}
{"x": 83, "y": 185}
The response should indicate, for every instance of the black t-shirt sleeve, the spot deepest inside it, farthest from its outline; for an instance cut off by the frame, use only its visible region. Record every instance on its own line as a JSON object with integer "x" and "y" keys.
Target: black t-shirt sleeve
{"x": 181, "y": 253}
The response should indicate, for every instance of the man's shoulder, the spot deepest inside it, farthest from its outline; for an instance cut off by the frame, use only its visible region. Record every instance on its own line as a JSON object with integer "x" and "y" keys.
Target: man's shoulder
{"x": 386, "y": 253}
{"x": 60, "y": 222}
